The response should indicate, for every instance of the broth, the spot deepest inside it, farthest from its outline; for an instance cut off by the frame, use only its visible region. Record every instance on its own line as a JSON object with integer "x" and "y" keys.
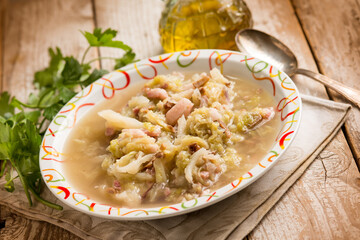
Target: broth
{"x": 86, "y": 145}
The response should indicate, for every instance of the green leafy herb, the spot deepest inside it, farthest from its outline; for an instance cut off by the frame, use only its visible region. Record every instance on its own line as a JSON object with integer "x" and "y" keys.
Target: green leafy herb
{"x": 6, "y": 109}
{"x": 104, "y": 39}
{"x": 22, "y": 124}
{"x": 127, "y": 58}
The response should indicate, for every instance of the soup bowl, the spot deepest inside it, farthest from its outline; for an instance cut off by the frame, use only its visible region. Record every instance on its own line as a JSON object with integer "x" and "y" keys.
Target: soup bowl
{"x": 288, "y": 110}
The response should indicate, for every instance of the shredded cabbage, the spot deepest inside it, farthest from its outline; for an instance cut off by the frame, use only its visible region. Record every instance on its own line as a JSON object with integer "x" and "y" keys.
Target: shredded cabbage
{"x": 166, "y": 153}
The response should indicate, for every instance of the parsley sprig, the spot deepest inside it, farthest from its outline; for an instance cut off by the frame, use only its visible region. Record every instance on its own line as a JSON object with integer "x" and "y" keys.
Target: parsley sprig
{"x": 22, "y": 125}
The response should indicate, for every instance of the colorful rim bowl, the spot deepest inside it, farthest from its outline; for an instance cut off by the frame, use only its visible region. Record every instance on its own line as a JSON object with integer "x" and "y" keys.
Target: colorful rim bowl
{"x": 278, "y": 84}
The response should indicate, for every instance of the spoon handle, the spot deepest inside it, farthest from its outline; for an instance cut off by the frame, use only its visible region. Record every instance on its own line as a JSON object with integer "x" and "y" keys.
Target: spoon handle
{"x": 351, "y": 94}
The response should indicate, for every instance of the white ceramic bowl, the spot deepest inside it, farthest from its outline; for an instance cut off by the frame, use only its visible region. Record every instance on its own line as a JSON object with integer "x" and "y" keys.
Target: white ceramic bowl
{"x": 230, "y": 63}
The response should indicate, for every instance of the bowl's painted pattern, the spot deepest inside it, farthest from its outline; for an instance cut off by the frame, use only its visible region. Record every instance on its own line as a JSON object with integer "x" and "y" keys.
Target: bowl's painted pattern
{"x": 231, "y": 63}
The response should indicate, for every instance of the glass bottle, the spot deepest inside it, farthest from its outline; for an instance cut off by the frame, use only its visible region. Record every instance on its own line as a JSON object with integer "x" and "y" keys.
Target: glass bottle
{"x": 202, "y": 24}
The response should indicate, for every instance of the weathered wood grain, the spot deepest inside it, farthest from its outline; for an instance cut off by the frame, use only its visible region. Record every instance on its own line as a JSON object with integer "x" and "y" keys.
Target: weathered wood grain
{"x": 277, "y": 19}
{"x": 2, "y": 13}
{"x": 137, "y": 23}
{"x": 18, "y": 227}
{"x": 321, "y": 204}
{"x": 335, "y": 40}
{"x": 28, "y": 29}
{"x": 324, "y": 203}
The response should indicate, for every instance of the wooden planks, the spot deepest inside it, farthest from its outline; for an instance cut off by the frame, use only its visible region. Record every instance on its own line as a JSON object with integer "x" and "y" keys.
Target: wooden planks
{"x": 335, "y": 40}
{"x": 313, "y": 207}
{"x": 2, "y": 13}
{"x": 28, "y": 29}
{"x": 322, "y": 204}
{"x": 277, "y": 18}
{"x": 274, "y": 17}
{"x": 137, "y": 23}
{"x": 18, "y": 227}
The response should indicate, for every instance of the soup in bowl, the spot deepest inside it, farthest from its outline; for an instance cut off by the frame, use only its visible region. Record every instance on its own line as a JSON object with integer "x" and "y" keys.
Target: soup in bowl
{"x": 170, "y": 134}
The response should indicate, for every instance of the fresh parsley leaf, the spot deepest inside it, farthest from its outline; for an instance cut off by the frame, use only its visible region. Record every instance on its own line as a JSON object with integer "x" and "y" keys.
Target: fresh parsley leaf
{"x": 55, "y": 58}
{"x": 97, "y": 32}
{"x": 104, "y": 39}
{"x": 95, "y": 75}
{"x": 47, "y": 77}
{"x": 126, "y": 59}
{"x": 21, "y": 130}
{"x": 21, "y": 145}
{"x": 66, "y": 94}
{"x": 48, "y": 97}
{"x": 72, "y": 71}
{"x": 5, "y": 130}
{"x": 6, "y": 109}
{"x": 33, "y": 99}
{"x": 50, "y": 112}
{"x": 86, "y": 68}
{"x": 32, "y": 116}
{"x": 3, "y": 168}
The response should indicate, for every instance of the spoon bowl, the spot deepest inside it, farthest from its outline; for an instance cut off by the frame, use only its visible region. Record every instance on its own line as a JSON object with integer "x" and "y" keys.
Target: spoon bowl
{"x": 270, "y": 49}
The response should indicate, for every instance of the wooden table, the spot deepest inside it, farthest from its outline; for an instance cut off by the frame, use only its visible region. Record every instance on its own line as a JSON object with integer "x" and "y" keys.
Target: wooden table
{"x": 325, "y": 35}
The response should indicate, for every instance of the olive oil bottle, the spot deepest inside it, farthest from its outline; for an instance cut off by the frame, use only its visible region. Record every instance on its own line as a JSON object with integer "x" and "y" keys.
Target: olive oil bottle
{"x": 202, "y": 24}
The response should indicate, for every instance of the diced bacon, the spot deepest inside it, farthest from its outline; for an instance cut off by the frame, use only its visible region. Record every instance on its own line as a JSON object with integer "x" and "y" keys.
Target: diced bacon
{"x": 136, "y": 111}
{"x": 227, "y": 131}
{"x": 164, "y": 86}
{"x": 214, "y": 114}
{"x": 153, "y": 148}
{"x": 268, "y": 113}
{"x": 109, "y": 131}
{"x": 204, "y": 175}
{"x": 183, "y": 107}
{"x": 155, "y": 133}
{"x": 194, "y": 147}
{"x": 159, "y": 155}
{"x": 117, "y": 185}
{"x": 226, "y": 95}
{"x": 201, "y": 81}
{"x": 156, "y": 93}
{"x": 168, "y": 104}
{"x": 136, "y": 133}
{"x": 167, "y": 191}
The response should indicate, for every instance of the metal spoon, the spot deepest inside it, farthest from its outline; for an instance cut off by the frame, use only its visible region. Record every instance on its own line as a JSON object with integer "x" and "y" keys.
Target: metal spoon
{"x": 268, "y": 48}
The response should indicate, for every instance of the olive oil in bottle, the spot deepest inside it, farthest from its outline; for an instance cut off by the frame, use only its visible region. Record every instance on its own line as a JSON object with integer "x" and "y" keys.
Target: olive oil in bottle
{"x": 202, "y": 24}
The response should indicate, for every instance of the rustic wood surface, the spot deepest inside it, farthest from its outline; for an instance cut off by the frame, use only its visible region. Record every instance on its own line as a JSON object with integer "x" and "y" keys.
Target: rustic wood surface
{"x": 335, "y": 40}
{"x": 2, "y": 14}
{"x": 318, "y": 200}
{"x": 324, "y": 203}
{"x": 29, "y": 28}
{"x": 17, "y": 227}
